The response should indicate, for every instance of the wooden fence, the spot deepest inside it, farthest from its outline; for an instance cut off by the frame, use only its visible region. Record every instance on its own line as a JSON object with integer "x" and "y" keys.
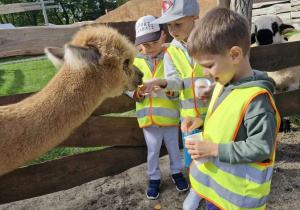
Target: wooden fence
{"x": 123, "y": 133}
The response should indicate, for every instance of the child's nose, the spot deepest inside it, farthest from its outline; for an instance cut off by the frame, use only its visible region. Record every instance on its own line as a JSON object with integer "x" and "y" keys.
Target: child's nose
{"x": 206, "y": 73}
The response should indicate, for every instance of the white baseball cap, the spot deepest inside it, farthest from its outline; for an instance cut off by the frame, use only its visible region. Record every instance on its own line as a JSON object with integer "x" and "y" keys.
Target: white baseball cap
{"x": 146, "y": 31}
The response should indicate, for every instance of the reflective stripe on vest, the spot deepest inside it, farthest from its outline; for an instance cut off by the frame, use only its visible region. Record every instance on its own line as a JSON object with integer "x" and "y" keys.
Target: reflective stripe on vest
{"x": 159, "y": 110}
{"x": 188, "y": 104}
{"x": 232, "y": 186}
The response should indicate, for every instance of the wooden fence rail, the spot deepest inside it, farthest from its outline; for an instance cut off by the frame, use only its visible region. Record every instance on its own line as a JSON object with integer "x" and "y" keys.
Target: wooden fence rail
{"x": 123, "y": 133}
{"x": 33, "y": 40}
{"x": 68, "y": 172}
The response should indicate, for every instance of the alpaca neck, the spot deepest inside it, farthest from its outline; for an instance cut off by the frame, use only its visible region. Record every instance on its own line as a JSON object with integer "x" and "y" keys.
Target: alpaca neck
{"x": 76, "y": 96}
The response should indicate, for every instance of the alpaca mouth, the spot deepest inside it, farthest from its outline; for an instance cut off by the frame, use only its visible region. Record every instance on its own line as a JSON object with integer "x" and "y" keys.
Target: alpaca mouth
{"x": 138, "y": 80}
{"x": 139, "y": 76}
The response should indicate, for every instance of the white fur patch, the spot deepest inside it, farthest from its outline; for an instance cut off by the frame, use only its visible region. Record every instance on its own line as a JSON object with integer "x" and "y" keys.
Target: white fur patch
{"x": 57, "y": 62}
{"x": 79, "y": 57}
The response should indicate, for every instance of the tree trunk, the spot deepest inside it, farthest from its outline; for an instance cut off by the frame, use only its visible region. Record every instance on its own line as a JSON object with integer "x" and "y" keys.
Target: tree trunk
{"x": 34, "y": 15}
{"x": 13, "y": 19}
{"x": 72, "y": 9}
{"x": 1, "y": 20}
{"x": 56, "y": 14}
{"x": 224, "y": 3}
{"x": 65, "y": 13}
{"x": 6, "y": 19}
{"x": 243, "y": 7}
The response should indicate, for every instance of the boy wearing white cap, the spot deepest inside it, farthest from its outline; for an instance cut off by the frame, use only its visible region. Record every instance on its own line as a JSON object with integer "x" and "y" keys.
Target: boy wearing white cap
{"x": 181, "y": 71}
{"x": 157, "y": 113}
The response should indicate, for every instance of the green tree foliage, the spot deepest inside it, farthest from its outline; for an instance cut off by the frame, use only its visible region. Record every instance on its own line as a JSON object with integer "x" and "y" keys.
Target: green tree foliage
{"x": 69, "y": 11}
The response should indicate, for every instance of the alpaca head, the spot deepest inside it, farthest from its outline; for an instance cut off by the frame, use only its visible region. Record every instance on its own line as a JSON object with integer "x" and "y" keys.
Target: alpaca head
{"x": 269, "y": 29}
{"x": 105, "y": 54}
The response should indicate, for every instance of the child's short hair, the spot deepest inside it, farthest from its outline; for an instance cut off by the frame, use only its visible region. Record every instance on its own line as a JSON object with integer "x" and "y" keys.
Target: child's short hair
{"x": 218, "y": 31}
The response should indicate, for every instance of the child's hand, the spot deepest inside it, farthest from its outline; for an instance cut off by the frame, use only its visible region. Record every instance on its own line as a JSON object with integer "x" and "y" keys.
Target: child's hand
{"x": 199, "y": 149}
{"x": 206, "y": 96}
{"x": 158, "y": 89}
{"x": 141, "y": 91}
{"x": 152, "y": 83}
{"x": 191, "y": 123}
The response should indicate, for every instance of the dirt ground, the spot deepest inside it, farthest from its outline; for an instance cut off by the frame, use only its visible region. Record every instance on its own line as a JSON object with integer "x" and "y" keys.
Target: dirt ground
{"x": 127, "y": 190}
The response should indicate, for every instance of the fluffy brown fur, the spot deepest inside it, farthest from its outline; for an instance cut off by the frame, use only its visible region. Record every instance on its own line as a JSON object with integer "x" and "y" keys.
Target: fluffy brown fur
{"x": 97, "y": 64}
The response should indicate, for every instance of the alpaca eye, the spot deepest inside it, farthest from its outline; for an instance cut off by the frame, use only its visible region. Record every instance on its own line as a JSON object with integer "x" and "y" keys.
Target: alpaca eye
{"x": 126, "y": 62}
{"x": 126, "y": 67}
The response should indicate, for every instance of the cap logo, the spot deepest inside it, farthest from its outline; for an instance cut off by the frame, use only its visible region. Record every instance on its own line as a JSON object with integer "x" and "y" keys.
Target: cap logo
{"x": 146, "y": 26}
{"x": 167, "y": 4}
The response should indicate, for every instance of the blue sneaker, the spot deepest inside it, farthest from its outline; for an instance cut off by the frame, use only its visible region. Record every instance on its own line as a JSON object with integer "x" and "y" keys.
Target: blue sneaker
{"x": 153, "y": 188}
{"x": 181, "y": 184}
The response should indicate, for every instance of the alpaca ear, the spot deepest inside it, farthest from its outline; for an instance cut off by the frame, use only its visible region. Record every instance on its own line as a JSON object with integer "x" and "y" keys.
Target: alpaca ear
{"x": 55, "y": 55}
{"x": 253, "y": 40}
{"x": 78, "y": 57}
{"x": 284, "y": 28}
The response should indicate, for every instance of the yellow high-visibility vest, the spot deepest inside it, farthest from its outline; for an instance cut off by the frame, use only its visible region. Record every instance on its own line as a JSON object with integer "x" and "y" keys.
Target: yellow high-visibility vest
{"x": 232, "y": 186}
{"x": 188, "y": 105}
{"x": 159, "y": 110}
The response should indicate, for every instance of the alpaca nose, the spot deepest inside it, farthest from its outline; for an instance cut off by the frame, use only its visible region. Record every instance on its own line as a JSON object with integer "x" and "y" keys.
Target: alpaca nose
{"x": 140, "y": 77}
{"x": 264, "y": 37}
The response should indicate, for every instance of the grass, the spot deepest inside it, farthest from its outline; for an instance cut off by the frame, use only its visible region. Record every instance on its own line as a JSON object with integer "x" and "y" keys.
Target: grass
{"x": 28, "y": 77}
{"x": 131, "y": 113}
{"x": 25, "y": 77}
{"x": 62, "y": 152}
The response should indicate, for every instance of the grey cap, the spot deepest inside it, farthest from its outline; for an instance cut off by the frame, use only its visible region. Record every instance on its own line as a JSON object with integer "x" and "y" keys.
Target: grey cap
{"x": 176, "y": 9}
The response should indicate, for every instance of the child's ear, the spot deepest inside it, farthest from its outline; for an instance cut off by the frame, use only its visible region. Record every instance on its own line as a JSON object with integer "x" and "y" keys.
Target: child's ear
{"x": 163, "y": 34}
{"x": 196, "y": 17}
{"x": 164, "y": 38}
{"x": 236, "y": 54}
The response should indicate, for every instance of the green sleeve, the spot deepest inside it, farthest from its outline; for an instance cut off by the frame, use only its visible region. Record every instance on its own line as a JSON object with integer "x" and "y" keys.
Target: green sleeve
{"x": 255, "y": 138}
{"x": 202, "y": 116}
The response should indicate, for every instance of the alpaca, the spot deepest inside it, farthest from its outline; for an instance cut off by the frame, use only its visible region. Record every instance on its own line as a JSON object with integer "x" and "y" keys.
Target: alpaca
{"x": 97, "y": 64}
{"x": 268, "y": 30}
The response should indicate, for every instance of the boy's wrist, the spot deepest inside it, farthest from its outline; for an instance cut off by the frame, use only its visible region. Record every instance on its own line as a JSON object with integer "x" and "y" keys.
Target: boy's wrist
{"x": 215, "y": 151}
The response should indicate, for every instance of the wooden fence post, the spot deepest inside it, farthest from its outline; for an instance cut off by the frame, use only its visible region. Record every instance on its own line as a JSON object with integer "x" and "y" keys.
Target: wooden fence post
{"x": 44, "y": 12}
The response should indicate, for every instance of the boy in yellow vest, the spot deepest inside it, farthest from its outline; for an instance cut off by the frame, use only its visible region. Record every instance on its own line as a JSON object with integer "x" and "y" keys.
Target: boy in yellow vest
{"x": 242, "y": 122}
{"x": 157, "y": 113}
{"x": 181, "y": 71}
